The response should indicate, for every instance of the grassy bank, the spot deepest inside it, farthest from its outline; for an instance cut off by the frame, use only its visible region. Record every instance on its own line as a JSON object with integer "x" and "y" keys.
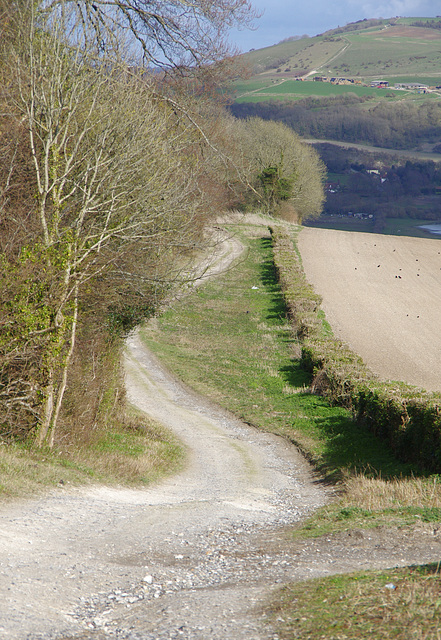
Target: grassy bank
{"x": 402, "y": 604}
{"x": 406, "y": 417}
{"x": 133, "y": 453}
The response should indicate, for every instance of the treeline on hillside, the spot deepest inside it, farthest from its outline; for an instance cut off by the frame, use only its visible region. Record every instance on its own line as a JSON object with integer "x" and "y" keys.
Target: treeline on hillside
{"x": 365, "y": 23}
{"x": 395, "y": 125}
{"x": 362, "y": 183}
{"x": 109, "y": 175}
{"x": 427, "y": 24}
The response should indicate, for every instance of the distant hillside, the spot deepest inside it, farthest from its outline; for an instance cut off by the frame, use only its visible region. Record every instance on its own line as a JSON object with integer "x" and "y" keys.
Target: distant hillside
{"x": 374, "y": 85}
{"x": 394, "y": 49}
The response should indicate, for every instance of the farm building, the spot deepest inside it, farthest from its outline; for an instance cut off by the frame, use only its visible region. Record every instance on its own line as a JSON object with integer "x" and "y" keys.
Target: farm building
{"x": 415, "y": 86}
{"x": 380, "y": 84}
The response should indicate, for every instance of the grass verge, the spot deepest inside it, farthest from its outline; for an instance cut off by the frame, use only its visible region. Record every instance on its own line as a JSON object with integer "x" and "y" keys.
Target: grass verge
{"x": 231, "y": 341}
{"x": 405, "y": 417}
{"x": 134, "y": 453}
{"x": 402, "y": 604}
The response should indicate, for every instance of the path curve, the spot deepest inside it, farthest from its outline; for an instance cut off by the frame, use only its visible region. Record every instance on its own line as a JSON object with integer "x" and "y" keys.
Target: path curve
{"x": 184, "y": 554}
{"x": 181, "y": 559}
{"x": 193, "y": 557}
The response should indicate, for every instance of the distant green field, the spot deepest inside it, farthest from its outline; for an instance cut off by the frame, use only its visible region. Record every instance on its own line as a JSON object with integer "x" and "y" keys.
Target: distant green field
{"x": 326, "y": 89}
{"x": 409, "y": 21}
{"x": 297, "y": 89}
{"x": 342, "y": 178}
{"x": 429, "y": 80}
{"x": 284, "y": 50}
{"x": 265, "y": 98}
{"x": 379, "y": 53}
{"x": 254, "y": 85}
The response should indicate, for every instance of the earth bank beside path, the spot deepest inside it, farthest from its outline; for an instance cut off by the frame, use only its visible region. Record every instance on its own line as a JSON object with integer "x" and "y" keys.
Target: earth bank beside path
{"x": 381, "y": 295}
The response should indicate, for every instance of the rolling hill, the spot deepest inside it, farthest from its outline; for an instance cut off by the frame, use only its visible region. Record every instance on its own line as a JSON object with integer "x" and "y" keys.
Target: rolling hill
{"x": 397, "y": 50}
{"x": 381, "y": 145}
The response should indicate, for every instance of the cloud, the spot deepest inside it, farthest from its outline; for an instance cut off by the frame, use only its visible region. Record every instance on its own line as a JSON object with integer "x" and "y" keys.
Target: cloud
{"x": 392, "y": 8}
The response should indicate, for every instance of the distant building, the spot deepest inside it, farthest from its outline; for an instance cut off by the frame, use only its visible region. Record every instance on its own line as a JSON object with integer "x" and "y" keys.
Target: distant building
{"x": 415, "y": 86}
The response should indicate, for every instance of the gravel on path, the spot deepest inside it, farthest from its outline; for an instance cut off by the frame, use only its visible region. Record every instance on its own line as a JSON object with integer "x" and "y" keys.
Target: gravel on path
{"x": 181, "y": 559}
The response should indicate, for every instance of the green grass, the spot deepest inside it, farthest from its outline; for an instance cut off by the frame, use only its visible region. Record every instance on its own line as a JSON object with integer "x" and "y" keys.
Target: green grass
{"x": 342, "y": 178}
{"x": 369, "y": 53}
{"x": 429, "y": 80}
{"x": 399, "y": 604}
{"x": 245, "y": 87}
{"x": 230, "y": 340}
{"x": 262, "y": 97}
{"x": 290, "y": 52}
{"x": 321, "y": 89}
{"x": 294, "y": 89}
{"x": 135, "y": 453}
{"x": 409, "y": 21}
{"x": 338, "y": 517}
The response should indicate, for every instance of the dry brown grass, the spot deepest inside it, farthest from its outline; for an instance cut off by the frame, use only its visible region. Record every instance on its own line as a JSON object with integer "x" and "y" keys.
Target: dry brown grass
{"x": 290, "y": 390}
{"x": 137, "y": 454}
{"x": 402, "y": 31}
{"x": 375, "y": 494}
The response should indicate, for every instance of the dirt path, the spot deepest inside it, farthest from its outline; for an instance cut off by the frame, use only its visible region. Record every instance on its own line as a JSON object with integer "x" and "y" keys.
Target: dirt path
{"x": 184, "y": 556}
{"x": 193, "y": 557}
{"x": 381, "y": 295}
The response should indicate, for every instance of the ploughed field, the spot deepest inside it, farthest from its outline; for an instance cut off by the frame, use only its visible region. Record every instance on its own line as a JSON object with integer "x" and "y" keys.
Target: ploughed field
{"x": 382, "y": 296}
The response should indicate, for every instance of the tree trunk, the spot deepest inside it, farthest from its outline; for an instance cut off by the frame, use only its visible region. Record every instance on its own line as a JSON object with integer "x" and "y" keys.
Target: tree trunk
{"x": 55, "y": 393}
{"x": 67, "y": 361}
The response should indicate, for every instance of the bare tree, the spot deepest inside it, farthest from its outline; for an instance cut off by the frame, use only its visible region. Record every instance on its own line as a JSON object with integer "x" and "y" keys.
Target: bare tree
{"x": 116, "y": 173}
{"x": 169, "y": 32}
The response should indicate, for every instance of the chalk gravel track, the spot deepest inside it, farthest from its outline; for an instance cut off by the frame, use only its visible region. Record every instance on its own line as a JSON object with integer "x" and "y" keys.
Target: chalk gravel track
{"x": 187, "y": 558}
{"x": 193, "y": 557}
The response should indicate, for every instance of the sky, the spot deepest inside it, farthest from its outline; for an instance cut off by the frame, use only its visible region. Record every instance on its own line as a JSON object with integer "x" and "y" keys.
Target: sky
{"x": 285, "y": 18}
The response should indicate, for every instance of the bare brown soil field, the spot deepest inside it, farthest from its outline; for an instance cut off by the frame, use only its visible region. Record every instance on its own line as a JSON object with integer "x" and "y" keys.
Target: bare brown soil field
{"x": 381, "y": 295}
{"x": 411, "y": 32}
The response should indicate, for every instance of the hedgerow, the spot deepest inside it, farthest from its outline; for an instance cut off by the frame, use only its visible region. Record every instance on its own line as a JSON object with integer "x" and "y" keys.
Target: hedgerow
{"x": 406, "y": 417}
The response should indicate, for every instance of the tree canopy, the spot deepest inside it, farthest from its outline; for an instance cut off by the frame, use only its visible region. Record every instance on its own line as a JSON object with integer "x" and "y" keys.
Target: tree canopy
{"x": 286, "y": 174}
{"x": 107, "y": 180}
{"x": 109, "y": 174}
